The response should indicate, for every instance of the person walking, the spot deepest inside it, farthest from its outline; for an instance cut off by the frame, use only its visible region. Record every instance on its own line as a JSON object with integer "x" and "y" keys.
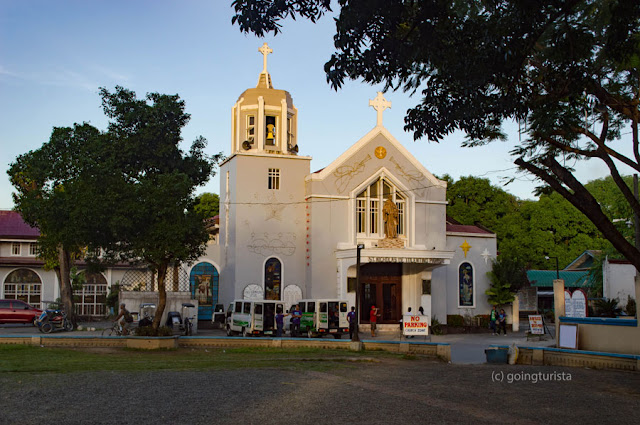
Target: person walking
{"x": 373, "y": 319}
{"x": 295, "y": 321}
{"x": 502, "y": 322}
{"x": 493, "y": 318}
{"x": 351, "y": 318}
{"x": 280, "y": 323}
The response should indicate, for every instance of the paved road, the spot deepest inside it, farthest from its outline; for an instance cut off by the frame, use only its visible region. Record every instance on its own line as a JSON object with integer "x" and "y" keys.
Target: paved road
{"x": 465, "y": 348}
{"x": 385, "y": 391}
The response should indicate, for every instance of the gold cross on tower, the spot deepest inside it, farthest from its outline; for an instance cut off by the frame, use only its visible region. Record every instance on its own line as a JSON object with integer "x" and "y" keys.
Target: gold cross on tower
{"x": 379, "y": 104}
{"x": 265, "y": 50}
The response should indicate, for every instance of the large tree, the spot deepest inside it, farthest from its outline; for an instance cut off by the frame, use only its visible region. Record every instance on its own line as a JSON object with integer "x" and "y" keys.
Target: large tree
{"x": 128, "y": 191}
{"x": 156, "y": 180}
{"x": 567, "y": 71}
{"x": 59, "y": 191}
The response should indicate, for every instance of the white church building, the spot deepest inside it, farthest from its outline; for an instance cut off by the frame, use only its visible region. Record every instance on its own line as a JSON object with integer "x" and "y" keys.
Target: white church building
{"x": 287, "y": 233}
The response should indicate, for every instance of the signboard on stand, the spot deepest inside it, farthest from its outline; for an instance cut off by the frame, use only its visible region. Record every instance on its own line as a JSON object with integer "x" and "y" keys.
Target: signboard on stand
{"x": 535, "y": 324}
{"x": 415, "y": 325}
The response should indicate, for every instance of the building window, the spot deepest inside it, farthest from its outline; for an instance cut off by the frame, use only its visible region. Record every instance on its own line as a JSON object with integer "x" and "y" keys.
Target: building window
{"x": 465, "y": 282}
{"x": 351, "y": 284}
{"x": 270, "y": 130}
{"x": 426, "y": 286}
{"x": 274, "y": 178}
{"x": 16, "y": 248}
{"x": 33, "y": 249}
{"x": 289, "y": 133}
{"x": 370, "y": 205}
{"x": 204, "y": 282}
{"x": 251, "y": 128}
{"x": 24, "y": 285}
{"x": 272, "y": 279}
{"x": 90, "y": 300}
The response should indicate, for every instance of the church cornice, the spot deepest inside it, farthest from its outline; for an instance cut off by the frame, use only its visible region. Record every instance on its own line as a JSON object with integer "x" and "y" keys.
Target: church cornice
{"x": 266, "y": 155}
{"x": 378, "y": 130}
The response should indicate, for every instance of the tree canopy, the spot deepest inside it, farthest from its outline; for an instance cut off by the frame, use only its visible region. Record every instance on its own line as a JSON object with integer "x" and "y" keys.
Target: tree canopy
{"x": 59, "y": 191}
{"x": 207, "y": 205}
{"x": 567, "y": 71}
{"x": 128, "y": 190}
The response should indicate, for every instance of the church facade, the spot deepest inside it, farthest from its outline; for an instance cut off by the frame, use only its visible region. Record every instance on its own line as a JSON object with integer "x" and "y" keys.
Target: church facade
{"x": 287, "y": 233}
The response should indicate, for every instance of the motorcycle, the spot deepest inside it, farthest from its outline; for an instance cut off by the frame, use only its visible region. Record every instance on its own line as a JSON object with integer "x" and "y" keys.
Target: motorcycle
{"x": 53, "y": 319}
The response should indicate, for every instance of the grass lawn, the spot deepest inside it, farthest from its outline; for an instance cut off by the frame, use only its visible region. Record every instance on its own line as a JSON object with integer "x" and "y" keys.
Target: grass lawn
{"x": 29, "y": 359}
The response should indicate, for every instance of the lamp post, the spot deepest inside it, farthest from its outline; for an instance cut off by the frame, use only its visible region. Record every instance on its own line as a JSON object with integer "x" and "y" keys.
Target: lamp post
{"x": 557, "y": 269}
{"x": 356, "y": 330}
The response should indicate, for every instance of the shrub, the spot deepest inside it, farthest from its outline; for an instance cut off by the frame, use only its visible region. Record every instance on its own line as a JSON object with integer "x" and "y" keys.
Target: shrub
{"x": 484, "y": 320}
{"x": 436, "y": 328}
{"x": 149, "y": 331}
{"x": 455, "y": 320}
{"x": 631, "y": 307}
{"x": 607, "y": 308}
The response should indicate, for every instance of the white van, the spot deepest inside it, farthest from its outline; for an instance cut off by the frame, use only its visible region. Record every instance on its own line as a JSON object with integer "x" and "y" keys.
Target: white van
{"x": 324, "y": 317}
{"x": 252, "y": 317}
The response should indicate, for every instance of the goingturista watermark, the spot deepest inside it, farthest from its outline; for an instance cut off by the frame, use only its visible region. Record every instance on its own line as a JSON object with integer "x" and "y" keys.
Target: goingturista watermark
{"x": 533, "y": 377}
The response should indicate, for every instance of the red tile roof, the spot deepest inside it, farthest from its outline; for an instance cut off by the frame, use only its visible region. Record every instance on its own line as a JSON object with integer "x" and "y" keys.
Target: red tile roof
{"x": 464, "y": 228}
{"x": 12, "y": 226}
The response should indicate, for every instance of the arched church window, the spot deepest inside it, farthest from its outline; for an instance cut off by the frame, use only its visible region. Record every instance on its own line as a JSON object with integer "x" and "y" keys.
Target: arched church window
{"x": 466, "y": 288}
{"x": 272, "y": 279}
{"x": 381, "y": 211}
{"x": 24, "y": 285}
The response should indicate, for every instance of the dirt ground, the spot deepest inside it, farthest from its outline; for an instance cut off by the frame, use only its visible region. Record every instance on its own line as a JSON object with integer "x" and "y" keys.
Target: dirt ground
{"x": 391, "y": 391}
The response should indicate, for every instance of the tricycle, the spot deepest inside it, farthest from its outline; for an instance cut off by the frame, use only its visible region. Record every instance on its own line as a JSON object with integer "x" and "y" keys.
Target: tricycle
{"x": 53, "y": 318}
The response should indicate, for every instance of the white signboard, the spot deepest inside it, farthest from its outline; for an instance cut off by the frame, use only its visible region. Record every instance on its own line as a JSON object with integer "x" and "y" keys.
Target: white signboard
{"x": 535, "y": 324}
{"x": 568, "y": 306}
{"x": 415, "y": 325}
{"x": 568, "y": 337}
{"x": 579, "y": 303}
{"x": 575, "y": 305}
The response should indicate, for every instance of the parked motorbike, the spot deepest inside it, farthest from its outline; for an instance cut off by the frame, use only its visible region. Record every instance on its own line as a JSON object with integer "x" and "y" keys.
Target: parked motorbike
{"x": 52, "y": 319}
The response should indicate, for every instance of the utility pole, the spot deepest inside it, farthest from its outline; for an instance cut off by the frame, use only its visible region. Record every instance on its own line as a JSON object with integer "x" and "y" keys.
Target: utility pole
{"x": 356, "y": 331}
{"x": 635, "y": 215}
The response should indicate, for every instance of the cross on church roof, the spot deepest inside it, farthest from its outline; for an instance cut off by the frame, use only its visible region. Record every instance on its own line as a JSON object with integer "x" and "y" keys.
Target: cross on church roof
{"x": 379, "y": 104}
{"x": 265, "y": 50}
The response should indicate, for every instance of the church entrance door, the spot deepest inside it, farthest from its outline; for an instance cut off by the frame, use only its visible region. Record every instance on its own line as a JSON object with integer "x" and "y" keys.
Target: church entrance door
{"x": 381, "y": 285}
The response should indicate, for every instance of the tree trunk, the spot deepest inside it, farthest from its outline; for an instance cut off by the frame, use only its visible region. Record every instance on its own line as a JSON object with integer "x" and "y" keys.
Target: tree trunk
{"x": 66, "y": 290}
{"x": 162, "y": 294}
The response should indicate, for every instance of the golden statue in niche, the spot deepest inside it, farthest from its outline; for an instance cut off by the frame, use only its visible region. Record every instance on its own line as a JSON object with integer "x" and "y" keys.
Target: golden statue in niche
{"x": 390, "y": 215}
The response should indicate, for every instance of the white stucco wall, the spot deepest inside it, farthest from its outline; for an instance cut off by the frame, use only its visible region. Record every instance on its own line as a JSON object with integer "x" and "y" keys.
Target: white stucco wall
{"x": 618, "y": 281}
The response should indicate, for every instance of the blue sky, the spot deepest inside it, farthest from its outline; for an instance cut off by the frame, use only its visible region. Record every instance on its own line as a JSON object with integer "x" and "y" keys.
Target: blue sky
{"x": 54, "y": 55}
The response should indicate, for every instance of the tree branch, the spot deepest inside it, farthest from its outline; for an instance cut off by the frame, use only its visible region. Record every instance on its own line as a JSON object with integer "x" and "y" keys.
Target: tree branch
{"x": 555, "y": 176}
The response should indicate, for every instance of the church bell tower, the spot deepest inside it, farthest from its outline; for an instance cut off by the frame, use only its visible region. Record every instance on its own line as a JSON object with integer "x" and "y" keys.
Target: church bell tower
{"x": 264, "y": 120}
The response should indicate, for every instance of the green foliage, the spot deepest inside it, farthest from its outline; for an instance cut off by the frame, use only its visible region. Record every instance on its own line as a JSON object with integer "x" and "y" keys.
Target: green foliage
{"x": 436, "y": 326}
{"x": 475, "y": 200}
{"x": 78, "y": 279}
{"x": 529, "y": 230}
{"x": 207, "y": 205}
{"x": 150, "y": 331}
{"x": 567, "y": 72}
{"x": 507, "y": 275}
{"x": 607, "y": 308}
{"x": 113, "y": 296}
{"x": 483, "y": 320}
{"x": 455, "y": 320}
{"x": 630, "y": 308}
